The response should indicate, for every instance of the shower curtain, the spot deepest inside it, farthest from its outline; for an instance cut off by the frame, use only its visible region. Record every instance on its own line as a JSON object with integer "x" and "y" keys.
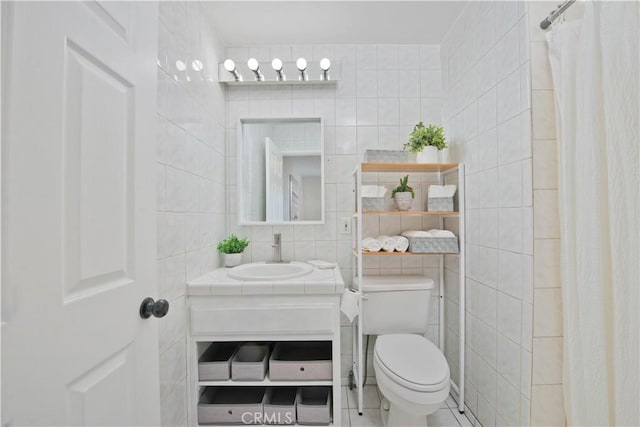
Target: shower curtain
{"x": 594, "y": 64}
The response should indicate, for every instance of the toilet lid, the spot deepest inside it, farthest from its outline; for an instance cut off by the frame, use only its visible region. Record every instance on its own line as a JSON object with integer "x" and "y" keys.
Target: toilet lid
{"x": 412, "y": 361}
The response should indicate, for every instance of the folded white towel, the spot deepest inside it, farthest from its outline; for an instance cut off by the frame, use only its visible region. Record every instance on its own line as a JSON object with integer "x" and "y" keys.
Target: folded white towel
{"x": 416, "y": 233}
{"x": 402, "y": 243}
{"x": 371, "y": 245}
{"x": 441, "y": 233}
{"x": 373, "y": 191}
{"x": 388, "y": 243}
{"x": 436, "y": 191}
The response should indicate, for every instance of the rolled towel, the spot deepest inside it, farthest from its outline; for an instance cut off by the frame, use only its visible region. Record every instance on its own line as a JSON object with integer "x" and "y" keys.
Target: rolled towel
{"x": 441, "y": 233}
{"x": 371, "y": 245}
{"x": 402, "y": 243}
{"x": 416, "y": 233}
{"x": 388, "y": 243}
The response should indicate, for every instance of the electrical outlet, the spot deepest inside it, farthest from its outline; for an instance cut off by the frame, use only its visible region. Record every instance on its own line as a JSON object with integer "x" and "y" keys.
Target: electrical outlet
{"x": 345, "y": 225}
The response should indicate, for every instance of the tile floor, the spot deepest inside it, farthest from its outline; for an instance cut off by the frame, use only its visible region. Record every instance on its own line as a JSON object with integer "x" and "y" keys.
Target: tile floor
{"x": 446, "y": 416}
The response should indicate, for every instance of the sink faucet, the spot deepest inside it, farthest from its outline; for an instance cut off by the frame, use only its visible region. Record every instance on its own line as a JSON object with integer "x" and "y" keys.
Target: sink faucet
{"x": 277, "y": 248}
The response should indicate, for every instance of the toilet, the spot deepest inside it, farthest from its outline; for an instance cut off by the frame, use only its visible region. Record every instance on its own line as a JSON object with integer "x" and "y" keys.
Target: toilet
{"x": 412, "y": 373}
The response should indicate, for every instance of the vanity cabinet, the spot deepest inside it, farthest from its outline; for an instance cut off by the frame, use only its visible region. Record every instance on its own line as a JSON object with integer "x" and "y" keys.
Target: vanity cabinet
{"x": 277, "y": 316}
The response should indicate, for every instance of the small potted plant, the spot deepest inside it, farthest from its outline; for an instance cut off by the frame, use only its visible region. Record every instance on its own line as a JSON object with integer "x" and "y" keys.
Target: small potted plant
{"x": 426, "y": 142}
{"x": 232, "y": 248}
{"x": 403, "y": 195}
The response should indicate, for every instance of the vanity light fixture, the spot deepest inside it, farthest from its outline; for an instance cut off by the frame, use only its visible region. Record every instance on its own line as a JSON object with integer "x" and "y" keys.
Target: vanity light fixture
{"x": 301, "y": 63}
{"x": 277, "y": 66}
{"x": 230, "y": 66}
{"x": 254, "y": 66}
{"x": 325, "y": 64}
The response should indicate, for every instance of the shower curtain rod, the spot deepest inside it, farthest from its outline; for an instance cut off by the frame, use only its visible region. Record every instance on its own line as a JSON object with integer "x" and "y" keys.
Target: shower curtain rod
{"x": 555, "y": 13}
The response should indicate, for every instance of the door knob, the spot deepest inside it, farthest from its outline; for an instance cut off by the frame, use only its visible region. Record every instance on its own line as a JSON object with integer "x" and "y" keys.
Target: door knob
{"x": 150, "y": 307}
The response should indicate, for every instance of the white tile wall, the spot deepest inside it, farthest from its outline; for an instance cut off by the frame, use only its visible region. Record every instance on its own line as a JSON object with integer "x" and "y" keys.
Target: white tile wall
{"x": 382, "y": 92}
{"x": 190, "y": 182}
{"x": 485, "y": 72}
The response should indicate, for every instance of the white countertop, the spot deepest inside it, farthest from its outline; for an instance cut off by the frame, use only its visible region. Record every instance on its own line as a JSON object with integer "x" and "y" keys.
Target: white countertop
{"x": 218, "y": 282}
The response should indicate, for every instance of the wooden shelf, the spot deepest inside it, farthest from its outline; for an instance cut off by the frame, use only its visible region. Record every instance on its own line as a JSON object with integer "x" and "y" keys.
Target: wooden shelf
{"x": 408, "y": 167}
{"x": 409, "y": 213}
{"x": 384, "y": 253}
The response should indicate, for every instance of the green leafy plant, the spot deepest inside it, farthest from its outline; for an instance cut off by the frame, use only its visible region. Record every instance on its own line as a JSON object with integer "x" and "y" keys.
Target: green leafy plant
{"x": 404, "y": 188}
{"x": 232, "y": 245}
{"x": 422, "y": 137}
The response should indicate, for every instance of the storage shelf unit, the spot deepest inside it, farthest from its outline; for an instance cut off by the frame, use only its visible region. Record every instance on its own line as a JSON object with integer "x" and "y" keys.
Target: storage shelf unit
{"x": 266, "y": 382}
{"x": 443, "y": 171}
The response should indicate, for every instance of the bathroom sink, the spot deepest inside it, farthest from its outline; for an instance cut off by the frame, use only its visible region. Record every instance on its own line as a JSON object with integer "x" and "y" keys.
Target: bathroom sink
{"x": 267, "y": 271}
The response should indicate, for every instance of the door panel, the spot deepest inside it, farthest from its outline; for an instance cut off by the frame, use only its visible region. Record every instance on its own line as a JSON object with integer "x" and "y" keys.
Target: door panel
{"x": 78, "y": 189}
{"x": 97, "y": 164}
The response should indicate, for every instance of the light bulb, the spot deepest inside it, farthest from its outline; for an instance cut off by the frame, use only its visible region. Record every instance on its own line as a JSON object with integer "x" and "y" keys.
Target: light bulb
{"x": 325, "y": 64}
{"x": 229, "y": 65}
{"x": 301, "y": 63}
{"x": 253, "y": 64}
{"x": 181, "y": 66}
{"x": 276, "y": 64}
{"x": 197, "y": 65}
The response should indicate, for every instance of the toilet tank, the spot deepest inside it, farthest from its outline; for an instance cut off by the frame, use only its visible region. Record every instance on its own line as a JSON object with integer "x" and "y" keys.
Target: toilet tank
{"x": 396, "y": 304}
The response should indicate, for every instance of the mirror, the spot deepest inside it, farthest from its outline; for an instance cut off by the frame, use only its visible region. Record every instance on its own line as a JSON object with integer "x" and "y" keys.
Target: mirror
{"x": 280, "y": 171}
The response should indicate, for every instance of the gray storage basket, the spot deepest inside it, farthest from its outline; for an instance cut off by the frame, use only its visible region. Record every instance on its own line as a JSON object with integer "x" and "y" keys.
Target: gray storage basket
{"x": 293, "y": 361}
{"x": 440, "y": 204}
{"x": 313, "y": 406}
{"x": 215, "y": 363}
{"x": 372, "y": 204}
{"x": 227, "y": 405}
{"x": 386, "y": 156}
{"x": 429, "y": 245}
{"x": 280, "y": 405}
{"x": 250, "y": 362}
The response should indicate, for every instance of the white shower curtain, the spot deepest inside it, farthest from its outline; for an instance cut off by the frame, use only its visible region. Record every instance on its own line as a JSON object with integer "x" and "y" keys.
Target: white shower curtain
{"x": 595, "y": 73}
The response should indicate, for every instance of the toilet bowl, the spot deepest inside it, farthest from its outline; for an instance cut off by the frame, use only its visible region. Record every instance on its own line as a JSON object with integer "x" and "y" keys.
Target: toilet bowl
{"x": 413, "y": 377}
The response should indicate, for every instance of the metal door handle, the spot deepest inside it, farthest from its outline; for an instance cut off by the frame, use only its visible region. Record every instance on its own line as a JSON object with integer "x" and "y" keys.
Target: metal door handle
{"x": 149, "y": 308}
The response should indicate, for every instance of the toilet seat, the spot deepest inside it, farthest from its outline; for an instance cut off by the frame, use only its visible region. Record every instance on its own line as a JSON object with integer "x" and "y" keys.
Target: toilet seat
{"x": 412, "y": 361}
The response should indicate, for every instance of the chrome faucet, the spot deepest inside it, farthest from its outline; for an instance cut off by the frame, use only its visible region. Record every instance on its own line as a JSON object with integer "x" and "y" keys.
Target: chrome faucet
{"x": 277, "y": 248}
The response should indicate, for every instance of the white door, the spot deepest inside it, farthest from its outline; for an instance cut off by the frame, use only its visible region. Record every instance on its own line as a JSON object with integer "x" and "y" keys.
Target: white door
{"x": 78, "y": 202}
{"x": 274, "y": 184}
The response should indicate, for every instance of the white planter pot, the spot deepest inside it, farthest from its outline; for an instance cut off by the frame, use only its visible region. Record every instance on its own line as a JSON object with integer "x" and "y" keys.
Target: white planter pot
{"x": 428, "y": 155}
{"x": 231, "y": 260}
{"x": 403, "y": 200}
{"x": 445, "y": 155}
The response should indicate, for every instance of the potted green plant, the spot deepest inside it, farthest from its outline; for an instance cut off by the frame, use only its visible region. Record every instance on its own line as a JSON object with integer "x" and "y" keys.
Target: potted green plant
{"x": 232, "y": 248}
{"x": 426, "y": 142}
{"x": 403, "y": 195}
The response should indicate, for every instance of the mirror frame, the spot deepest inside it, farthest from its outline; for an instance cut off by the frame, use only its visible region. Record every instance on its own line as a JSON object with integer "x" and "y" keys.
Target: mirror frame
{"x": 240, "y": 164}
